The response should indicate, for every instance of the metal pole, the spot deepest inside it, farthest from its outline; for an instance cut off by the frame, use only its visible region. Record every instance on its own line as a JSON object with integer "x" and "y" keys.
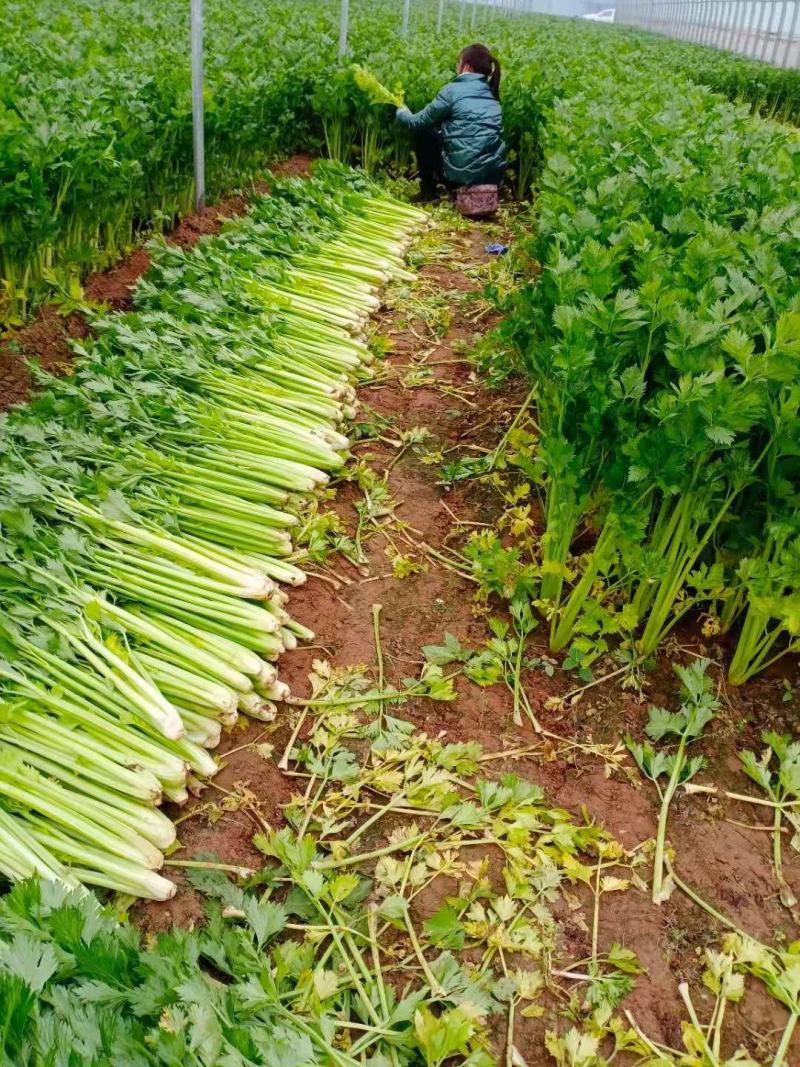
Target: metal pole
{"x": 198, "y": 137}
{"x": 763, "y": 28}
{"x": 672, "y": 17}
{"x": 681, "y": 21}
{"x": 461, "y": 15}
{"x": 695, "y": 21}
{"x": 780, "y": 30}
{"x": 686, "y": 21}
{"x": 751, "y": 26}
{"x": 728, "y": 19}
{"x": 777, "y": 12}
{"x": 771, "y": 12}
{"x": 679, "y": 13}
{"x": 734, "y": 21}
{"x": 708, "y": 9}
{"x": 739, "y": 41}
{"x": 721, "y": 25}
{"x": 716, "y": 23}
{"x": 761, "y": 5}
{"x": 691, "y": 28}
{"x": 474, "y": 13}
{"x": 344, "y": 23}
{"x": 734, "y": 26}
{"x": 440, "y": 16}
{"x": 790, "y": 35}
{"x": 701, "y": 37}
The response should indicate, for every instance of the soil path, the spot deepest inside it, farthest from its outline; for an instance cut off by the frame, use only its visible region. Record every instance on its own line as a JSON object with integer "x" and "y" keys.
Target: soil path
{"x": 427, "y": 382}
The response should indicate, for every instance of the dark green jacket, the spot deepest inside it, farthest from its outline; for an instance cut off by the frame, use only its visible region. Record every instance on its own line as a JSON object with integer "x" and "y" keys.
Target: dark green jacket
{"x": 471, "y": 121}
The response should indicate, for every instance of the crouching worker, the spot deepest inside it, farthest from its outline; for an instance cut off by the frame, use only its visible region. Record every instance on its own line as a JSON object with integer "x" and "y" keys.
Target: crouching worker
{"x": 458, "y": 137}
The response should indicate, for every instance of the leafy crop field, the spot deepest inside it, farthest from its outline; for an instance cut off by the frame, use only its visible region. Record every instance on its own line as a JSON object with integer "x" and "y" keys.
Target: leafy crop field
{"x": 663, "y": 337}
{"x": 522, "y": 530}
{"x": 95, "y": 126}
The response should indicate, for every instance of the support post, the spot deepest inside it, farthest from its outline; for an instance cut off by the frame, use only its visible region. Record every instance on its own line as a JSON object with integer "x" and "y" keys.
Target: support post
{"x": 683, "y": 19}
{"x": 198, "y": 133}
{"x": 701, "y": 21}
{"x": 790, "y": 36}
{"x": 406, "y": 11}
{"x": 768, "y": 29}
{"x": 440, "y": 16}
{"x": 755, "y": 14}
{"x": 780, "y": 31}
{"x": 344, "y": 23}
{"x": 733, "y": 29}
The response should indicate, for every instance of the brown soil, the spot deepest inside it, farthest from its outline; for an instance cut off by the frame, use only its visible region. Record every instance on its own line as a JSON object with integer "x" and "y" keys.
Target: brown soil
{"x": 46, "y": 339}
{"x": 299, "y": 166}
{"x": 729, "y": 865}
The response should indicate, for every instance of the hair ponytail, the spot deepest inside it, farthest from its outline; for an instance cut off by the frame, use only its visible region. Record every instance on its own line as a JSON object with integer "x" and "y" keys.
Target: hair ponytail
{"x": 481, "y": 60}
{"x": 494, "y": 78}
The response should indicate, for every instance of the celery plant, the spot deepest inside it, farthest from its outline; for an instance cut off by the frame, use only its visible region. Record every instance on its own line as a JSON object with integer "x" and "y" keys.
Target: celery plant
{"x": 686, "y": 725}
{"x": 777, "y": 771}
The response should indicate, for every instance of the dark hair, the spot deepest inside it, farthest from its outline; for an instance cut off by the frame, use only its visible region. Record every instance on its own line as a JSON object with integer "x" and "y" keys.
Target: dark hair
{"x": 483, "y": 62}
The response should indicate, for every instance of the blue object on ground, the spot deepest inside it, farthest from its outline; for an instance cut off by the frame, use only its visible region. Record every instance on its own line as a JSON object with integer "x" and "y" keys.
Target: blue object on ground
{"x": 497, "y": 250}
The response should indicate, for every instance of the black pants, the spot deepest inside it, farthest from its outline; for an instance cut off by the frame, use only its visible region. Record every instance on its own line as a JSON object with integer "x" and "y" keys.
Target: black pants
{"x": 428, "y": 147}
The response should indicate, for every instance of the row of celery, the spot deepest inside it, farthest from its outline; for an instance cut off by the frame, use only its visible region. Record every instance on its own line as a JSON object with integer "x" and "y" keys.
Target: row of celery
{"x": 147, "y": 505}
